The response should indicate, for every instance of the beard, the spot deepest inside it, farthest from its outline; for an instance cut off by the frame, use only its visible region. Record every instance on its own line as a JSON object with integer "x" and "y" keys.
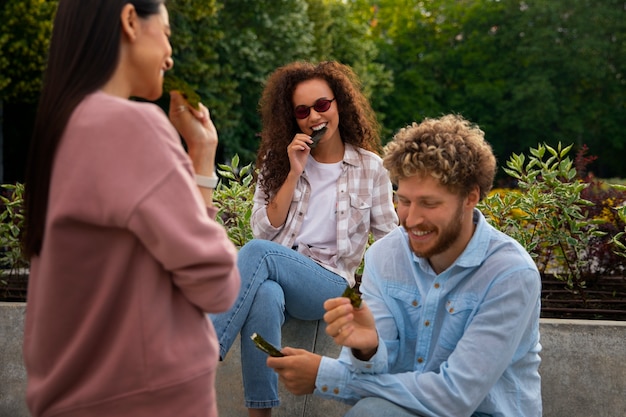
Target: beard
{"x": 447, "y": 236}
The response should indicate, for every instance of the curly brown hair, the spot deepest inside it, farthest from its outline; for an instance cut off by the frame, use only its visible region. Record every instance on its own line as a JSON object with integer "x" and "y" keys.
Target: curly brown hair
{"x": 450, "y": 149}
{"x": 357, "y": 121}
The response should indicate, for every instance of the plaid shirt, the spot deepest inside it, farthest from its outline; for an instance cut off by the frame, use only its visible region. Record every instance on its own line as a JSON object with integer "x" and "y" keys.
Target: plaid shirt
{"x": 364, "y": 205}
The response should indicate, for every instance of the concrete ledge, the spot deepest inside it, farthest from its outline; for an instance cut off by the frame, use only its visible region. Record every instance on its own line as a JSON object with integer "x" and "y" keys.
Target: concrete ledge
{"x": 12, "y": 372}
{"x": 583, "y": 369}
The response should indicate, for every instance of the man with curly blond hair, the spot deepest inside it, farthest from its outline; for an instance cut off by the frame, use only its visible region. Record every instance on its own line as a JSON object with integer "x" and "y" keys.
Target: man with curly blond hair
{"x": 449, "y": 324}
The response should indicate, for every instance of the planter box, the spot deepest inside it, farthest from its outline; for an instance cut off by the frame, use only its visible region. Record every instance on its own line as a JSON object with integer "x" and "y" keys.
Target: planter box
{"x": 583, "y": 369}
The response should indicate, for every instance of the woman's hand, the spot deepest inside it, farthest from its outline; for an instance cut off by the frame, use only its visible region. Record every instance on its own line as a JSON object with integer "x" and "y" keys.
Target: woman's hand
{"x": 298, "y": 151}
{"x": 198, "y": 132}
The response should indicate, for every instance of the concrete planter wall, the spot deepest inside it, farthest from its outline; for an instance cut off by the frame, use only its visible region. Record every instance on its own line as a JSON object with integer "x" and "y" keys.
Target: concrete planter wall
{"x": 12, "y": 373}
{"x": 583, "y": 369}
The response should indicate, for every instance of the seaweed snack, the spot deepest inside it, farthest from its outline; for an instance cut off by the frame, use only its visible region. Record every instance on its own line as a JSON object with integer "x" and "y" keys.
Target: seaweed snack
{"x": 353, "y": 295}
{"x": 265, "y": 346}
{"x": 173, "y": 83}
{"x": 316, "y": 136}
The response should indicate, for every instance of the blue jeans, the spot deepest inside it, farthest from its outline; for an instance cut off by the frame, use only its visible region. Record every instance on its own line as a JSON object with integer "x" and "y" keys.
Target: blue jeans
{"x": 377, "y": 407}
{"x": 276, "y": 283}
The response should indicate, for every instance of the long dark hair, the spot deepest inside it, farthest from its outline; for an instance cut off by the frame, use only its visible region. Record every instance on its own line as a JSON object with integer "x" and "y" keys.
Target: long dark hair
{"x": 357, "y": 121}
{"x": 84, "y": 52}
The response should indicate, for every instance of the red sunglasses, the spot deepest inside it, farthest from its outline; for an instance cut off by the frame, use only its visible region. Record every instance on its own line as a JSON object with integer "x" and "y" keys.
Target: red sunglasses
{"x": 321, "y": 105}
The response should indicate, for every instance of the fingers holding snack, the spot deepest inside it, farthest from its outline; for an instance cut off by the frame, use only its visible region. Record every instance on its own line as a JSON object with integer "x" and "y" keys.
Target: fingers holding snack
{"x": 194, "y": 125}
{"x": 265, "y": 346}
{"x": 317, "y": 136}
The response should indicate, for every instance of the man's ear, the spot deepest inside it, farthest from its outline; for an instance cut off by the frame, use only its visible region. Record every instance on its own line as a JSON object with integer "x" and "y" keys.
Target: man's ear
{"x": 473, "y": 197}
{"x": 129, "y": 20}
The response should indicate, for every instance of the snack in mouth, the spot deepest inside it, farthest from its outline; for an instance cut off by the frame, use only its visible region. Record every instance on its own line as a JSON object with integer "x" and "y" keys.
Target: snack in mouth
{"x": 353, "y": 295}
{"x": 173, "y": 83}
{"x": 316, "y": 136}
{"x": 265, "y": 346}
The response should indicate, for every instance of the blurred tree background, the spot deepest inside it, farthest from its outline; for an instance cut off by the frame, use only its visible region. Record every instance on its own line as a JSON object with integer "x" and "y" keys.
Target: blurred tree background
{"x": 526, "y": 72}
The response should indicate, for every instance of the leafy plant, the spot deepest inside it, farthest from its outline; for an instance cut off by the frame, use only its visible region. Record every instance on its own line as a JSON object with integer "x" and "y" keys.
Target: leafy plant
{"x": 547, "y": 214}
{"x": 234, "y": 200}
{"x": 618, "y": 239}
{"x": 12, "y": 261}
{"x": 11, "y": 224}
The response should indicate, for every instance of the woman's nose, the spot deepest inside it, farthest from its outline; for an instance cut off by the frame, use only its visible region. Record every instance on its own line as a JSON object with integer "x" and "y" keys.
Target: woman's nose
{"x": 169, "y": 63}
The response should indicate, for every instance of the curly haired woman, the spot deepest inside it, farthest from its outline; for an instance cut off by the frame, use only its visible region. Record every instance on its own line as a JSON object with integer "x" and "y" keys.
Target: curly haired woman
{"x": 315, "y": 204}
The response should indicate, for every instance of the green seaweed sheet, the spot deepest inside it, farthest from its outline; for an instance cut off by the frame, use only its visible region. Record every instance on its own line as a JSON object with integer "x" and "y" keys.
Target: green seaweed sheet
{"x": 265, "y": 346}
{"x": 353, "y": 295}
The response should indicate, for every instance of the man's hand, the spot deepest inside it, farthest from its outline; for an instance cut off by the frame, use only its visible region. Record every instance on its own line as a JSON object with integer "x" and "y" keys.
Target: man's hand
{"x": 297, "y": 370}
{"x": 351, "y": 327}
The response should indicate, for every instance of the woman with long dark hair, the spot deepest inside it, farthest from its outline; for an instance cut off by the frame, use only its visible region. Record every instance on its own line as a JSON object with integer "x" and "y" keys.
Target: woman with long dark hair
{"x": 321, "y": 191}
{"x": 126, "y": 257}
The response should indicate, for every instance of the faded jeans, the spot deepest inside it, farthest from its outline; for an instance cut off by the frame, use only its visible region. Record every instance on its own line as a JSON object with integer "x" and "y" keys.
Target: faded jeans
{"x": 276, "y": 283}
{"x": 377, "y": 407}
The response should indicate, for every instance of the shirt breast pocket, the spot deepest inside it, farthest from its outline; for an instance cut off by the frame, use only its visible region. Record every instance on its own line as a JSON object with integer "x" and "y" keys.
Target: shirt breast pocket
{"x": 455, "y": 321}
{"x": 410, "y": 309}
{"x": 360, "y": 206}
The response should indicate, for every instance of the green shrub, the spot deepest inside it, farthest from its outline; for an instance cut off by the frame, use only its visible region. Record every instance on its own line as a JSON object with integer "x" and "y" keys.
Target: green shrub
{"x": 547, "y": 215}
{"x": 234, "y": 199}
{"x": 619, "y": 239}
{"x": 11, "y": 224}
{"x": 12, "y": 261}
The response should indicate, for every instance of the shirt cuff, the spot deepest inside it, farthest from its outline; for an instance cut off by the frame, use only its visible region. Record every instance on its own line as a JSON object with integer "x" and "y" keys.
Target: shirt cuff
{"x": 332, "y": 380}
{"x": 377, "y": 364}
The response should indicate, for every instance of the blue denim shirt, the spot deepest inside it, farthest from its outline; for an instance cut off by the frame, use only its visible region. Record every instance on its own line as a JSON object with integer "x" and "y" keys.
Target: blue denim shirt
{"x": 461, "y": 343}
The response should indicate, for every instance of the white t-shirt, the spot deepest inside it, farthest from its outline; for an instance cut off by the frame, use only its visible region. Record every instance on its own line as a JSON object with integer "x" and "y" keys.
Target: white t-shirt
{"x": 319, "y": 228}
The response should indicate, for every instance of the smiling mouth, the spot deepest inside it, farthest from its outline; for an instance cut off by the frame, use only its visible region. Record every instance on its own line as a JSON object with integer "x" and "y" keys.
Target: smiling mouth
{"x": 319, "y": 127}
{"x": 421, "y": 233}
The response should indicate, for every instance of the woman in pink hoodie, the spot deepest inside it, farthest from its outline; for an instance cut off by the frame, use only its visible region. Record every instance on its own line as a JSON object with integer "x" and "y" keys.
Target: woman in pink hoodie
{"x": 126, "y": 257}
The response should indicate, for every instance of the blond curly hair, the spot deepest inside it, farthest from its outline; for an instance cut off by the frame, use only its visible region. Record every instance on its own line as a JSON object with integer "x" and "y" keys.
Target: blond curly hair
{"x": 450, "y": 149}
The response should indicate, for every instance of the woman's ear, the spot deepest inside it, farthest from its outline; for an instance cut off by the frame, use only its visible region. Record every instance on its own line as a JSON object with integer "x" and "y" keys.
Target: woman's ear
{"x": 129, "y": 20}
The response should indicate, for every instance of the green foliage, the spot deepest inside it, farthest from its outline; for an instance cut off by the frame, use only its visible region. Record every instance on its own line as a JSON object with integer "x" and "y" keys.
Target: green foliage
{"x": 11, "y": 225}
{"x": 619, "y": 239}
{"x": 24, "y": 40}
{"x": 520, "y": 70}
{"x": 547, "y": 215}
{"x": 234, "y": 200}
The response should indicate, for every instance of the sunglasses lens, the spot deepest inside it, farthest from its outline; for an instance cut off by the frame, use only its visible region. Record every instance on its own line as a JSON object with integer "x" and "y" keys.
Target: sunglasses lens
{"x": 302, "y": 112}
{"x": 322, "y": 105}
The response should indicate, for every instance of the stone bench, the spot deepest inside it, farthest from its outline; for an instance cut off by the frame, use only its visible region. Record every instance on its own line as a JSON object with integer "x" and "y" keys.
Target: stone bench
{"x": 583, "y": 369}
